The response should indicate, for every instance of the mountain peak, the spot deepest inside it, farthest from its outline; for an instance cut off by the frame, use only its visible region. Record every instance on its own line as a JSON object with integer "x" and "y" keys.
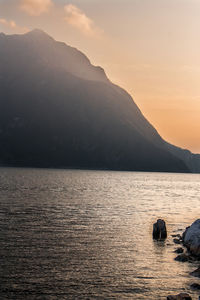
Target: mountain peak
{"x": 38, "y": 33}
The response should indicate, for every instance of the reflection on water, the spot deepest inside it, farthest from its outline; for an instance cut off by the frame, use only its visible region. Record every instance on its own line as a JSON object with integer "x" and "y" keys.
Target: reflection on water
{"x": 87, "y": 234}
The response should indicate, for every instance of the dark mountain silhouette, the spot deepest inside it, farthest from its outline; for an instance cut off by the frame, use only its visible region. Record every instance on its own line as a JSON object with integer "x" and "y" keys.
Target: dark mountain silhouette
{"x": 58, "y": 110}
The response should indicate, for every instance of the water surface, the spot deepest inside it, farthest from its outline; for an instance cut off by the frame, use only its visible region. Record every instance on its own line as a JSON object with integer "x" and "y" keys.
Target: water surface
{"x": 69, "y": 234}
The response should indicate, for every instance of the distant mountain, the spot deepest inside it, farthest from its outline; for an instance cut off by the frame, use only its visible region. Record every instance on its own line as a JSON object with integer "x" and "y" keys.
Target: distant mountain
{"x": 58, "y": 110}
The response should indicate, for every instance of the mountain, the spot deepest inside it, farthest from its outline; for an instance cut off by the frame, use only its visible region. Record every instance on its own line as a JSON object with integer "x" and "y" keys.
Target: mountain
{"x": 58, "y": 110}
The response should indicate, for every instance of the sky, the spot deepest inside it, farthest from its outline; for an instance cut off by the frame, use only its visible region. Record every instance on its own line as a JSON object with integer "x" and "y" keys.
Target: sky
{"x": 149, "y": 47}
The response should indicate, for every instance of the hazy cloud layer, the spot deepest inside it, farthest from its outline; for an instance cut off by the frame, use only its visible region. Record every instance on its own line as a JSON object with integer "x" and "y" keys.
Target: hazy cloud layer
{"x": 78, "y": 19}
{"x": 12, "y": 25}
{"x": 36, "y": 7}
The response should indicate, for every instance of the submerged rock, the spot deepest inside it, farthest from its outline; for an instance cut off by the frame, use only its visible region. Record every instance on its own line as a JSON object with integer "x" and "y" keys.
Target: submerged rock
{"x": 182, "y": 257}
{"x": 177, "y": 241}
{"x": 177, "y": 236}
{"x": 195, "y": 286}
{"x": 196, "y": 273}
{"x": 179, "y": 250}
{"x": 191, "y": 238}
{"x": 182, "y": 296}
{"x": 159, "y": 230}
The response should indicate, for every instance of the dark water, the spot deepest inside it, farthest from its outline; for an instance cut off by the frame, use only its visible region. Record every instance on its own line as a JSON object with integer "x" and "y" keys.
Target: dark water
{"x": 87, "y": 234}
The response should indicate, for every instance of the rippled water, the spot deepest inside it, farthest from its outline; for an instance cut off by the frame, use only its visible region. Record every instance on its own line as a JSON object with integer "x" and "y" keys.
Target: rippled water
{"x": 87, "y": 234}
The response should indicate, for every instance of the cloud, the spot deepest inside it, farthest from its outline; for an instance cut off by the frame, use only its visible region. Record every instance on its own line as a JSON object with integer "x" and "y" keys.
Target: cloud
{"x": 36, "y": 7}
{"x": 78, "y": 19}
{"x": 7, "y": 23}
{"x": 12, "y": 25}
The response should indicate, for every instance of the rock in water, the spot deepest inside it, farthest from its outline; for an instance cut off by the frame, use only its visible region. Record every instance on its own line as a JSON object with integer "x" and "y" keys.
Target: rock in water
{"x": 159, "y": 230}
{"x": 182, "y": 257}
{"x": 195, "y": 286}
{"x": 182, "y": 296}
{"x": 179, "y": 250}
{"x": 196, "y": 273}
{"x": 177, "y": 241}
{"x": 191, "y": 238}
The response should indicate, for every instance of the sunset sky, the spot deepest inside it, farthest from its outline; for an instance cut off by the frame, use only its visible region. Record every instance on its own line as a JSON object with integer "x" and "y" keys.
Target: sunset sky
{"x": 149, "y": 47}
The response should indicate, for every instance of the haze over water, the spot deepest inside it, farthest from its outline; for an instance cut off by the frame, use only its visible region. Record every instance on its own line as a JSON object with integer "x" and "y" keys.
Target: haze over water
{"x": 69, "y": 234}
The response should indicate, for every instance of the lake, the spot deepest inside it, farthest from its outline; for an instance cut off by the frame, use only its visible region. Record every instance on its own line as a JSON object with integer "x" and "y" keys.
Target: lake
{"x": 70, "y": 234}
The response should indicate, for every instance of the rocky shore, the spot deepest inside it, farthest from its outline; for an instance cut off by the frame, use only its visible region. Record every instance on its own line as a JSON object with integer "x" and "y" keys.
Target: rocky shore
{"x": 188, "y": 250}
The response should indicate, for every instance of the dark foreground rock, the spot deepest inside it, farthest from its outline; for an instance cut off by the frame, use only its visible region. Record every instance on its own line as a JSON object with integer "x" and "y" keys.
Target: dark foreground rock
{"x": 195, "y": 286}
{"x": 179, "y": 250}
{"x": 191, "y": 238}
{"x": 159, "y": 230}
{"x": 177, "y": 241}
{"x": 182, "y": 296}
{"x": 182, "y": 257}
{"x": 196, "y": 273}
